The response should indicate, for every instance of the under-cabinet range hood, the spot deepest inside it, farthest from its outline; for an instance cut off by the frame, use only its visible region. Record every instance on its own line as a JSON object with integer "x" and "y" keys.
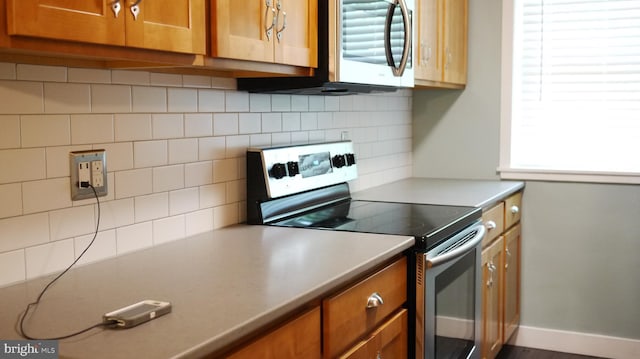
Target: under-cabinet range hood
{"x": 364, "y": 46}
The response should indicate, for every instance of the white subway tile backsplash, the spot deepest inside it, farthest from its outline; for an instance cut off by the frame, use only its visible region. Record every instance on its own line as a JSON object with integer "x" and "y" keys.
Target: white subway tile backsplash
{"x": 150, "y": 207}
{"x": 199, "y": 222}
{"x": 12, "y": 267}
{"x": 167, "y": 126}
{"x": 67, "y": 98}
{"x": 149, "y": 99}
{"x": 176, "y": 154}
{"x": 168, "y": 178}
{"x": 10, "y": 134}
{"x": 182, "y": 100}
{"x": 110, "y": 99}
{"x": 46, "y": 195}
{"x": 198, "y": 173}
{"x": 21, "y": 97}
{"x": 49, "y": 258}
{"x": 183, "y": 150}
{"x": 168, "y": 229}
{"x": 211, "y": 100}
{"x": 93, "y": 76}
{"x": 72, "y": 222}
{"x": 7, "y": 71}
{"x": 103, "y": 247}
{"x": 184, "y": 201}
{"x": 134, "y": 237}
{"x": 133, "y": 183}
{"x": 28, "y": 72}
{"x": 22, "y": 165}
{"x": 11, "y": 199}
{"x": 236, "y": 101}
{"x": 211, "y": 148}
{"x": 150, "y": 153}
{"x": 24, "y": 231}
{"x": 133, "y": 127}
{"x": 91, "y": 129}
{"x": 130, "y": 77}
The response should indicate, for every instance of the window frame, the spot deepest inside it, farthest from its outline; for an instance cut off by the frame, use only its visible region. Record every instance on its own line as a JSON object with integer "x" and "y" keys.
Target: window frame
{"x": 504, "y": 168}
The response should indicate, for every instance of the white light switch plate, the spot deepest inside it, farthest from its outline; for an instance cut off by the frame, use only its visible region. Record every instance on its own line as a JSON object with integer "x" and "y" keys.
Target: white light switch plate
{"x": 88, "y": 166}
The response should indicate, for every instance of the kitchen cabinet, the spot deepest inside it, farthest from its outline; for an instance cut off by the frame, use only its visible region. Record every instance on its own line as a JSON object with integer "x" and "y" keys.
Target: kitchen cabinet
{"x": 359, "y": 313}
{"x": 176, "y": 25}
{"x": 298, "y": 338}
{"x": 388, "y": 341}
{"x": 441, "y": 50}
{"x": 501, "y": 274}
{"x": 272, "y": 31}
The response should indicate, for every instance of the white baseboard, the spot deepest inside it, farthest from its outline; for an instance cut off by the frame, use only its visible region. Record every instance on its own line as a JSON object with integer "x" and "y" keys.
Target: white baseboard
{"x": 578, "y": 343}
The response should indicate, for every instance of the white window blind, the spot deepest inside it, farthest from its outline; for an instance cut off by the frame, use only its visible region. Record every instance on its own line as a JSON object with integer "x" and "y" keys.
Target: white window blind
{"x": 575, "y": 99}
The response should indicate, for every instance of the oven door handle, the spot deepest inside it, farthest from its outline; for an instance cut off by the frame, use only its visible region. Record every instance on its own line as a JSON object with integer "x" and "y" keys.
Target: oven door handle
{"x": 461, "y": 250}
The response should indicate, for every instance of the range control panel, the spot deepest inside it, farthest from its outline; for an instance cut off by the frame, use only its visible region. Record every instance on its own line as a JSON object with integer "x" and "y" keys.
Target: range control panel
{"x": 292, "y": 169}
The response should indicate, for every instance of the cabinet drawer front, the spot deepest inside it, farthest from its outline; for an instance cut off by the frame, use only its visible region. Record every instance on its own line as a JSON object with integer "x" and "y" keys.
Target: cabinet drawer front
{"x": 346, "y": 317}
{"x": 493, "y": 220}
{"x": 299, "y": 338}
{"x": 388, "y": 341}
{"x": 512, "y": 209}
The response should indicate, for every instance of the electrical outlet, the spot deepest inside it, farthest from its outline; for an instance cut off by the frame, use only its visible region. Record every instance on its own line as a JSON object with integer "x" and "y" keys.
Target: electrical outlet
{"x": 88, "y": 167}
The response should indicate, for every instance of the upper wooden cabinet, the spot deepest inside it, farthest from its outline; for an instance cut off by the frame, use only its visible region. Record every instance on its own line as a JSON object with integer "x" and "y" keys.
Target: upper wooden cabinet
{"x": 273, "y": 31}
{"x": 441, "y": 50}
{"x": 176, "y": 25}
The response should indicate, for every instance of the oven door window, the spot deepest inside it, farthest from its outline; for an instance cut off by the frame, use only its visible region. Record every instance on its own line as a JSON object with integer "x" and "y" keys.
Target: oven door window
{"x": 455, "y": 308}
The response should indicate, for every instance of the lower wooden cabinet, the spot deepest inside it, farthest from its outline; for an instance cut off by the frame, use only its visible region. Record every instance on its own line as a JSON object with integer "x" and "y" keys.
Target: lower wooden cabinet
{"x": 492, "y": 262}
{"x": 512, "y": 254}
{"x": 388, "y": 341}
{"x": 298, "y": 338}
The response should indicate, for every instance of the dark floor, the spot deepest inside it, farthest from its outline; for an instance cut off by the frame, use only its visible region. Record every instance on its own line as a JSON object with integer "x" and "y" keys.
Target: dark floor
{"x": 512, "y": 352}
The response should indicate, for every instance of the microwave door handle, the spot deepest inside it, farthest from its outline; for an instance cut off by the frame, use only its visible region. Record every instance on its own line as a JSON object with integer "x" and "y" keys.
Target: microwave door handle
{"x": 398, "y": 70}
{"x": 463, "y": 249}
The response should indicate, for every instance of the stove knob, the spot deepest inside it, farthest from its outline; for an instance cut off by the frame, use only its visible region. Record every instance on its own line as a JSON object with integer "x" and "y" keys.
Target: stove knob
{"x": 293, "y": 168}
{"x": 338, "y": 161}
{"x": 278, "y": 171}
{"x": 351, "y": 159}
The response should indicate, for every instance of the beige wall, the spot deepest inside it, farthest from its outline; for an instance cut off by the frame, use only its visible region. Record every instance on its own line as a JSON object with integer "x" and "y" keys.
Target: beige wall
{"x": 175, "y": 155}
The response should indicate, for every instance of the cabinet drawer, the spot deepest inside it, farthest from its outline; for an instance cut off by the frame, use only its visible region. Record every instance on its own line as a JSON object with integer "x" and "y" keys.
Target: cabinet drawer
{"x": 388, "y": 341}
{"x": 512, "y": 210}
{"x": 493, "y": 220}
{"x": 299, "y": 338}
{"x": 346, "y": 317}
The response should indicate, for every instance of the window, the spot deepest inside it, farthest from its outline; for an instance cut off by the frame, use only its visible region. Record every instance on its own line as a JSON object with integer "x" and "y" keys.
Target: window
{"x": 571, "y": 90}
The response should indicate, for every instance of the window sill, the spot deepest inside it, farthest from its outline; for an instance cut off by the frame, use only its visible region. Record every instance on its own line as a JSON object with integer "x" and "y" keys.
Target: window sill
{"x": 568, "y": 176}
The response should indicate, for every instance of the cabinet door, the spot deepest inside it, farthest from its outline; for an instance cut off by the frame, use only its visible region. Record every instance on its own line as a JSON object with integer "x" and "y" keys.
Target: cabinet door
{"x": 243, "y": 29}
{"x": 512, "y": 241}
{"x": 492, "y": 299}
{"x": 428, "y": 64}
{"x": 87, "y": 21}
{"x": 388, "y": 341}
{"x": 171, "y": 25}
{"x": 296, "y": 33}
{"x": 455, "y": 41}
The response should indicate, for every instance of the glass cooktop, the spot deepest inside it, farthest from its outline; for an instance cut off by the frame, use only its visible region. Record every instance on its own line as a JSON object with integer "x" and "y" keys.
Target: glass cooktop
{"x": 429, "y": 224}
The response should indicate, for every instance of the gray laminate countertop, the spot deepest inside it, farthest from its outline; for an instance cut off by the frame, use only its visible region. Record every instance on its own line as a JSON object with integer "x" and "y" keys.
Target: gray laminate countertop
{"x": 455, "y": 192}
{"x": 222, "y": 284}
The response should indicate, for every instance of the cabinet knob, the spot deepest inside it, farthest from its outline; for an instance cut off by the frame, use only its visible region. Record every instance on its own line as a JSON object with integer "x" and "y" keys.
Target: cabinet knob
{"x": 375, "y": 300}
{"x": 490, "y": 225}
{"x": 514, "y": 209}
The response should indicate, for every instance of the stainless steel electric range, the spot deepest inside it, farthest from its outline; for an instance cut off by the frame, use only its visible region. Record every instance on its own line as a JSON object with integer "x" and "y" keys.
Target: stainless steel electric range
{"x": 306, "y": 186}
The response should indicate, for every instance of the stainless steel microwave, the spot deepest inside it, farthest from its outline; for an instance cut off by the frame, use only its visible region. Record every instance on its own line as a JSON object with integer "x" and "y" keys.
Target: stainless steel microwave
{"x": 363, "y": 46}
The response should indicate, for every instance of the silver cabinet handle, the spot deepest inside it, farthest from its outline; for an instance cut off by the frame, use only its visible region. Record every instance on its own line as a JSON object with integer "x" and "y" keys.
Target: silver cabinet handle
{"x": 135, "y": 9}
{"x": 375, "y": 300}
{"x": 506, "y": 263}
{"x": 515, "y": 209}
{"x": 284, "y": 21}
{"x": 490, "y": 225}
{"x": 269, "y": 30}
{"x": 492, "y": 270}
{"x": 115, "y": 7}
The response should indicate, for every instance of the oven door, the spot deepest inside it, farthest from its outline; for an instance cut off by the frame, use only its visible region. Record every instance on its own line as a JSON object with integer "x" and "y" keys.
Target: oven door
{"x": 376, "y": 39}
{"x": 449, "y": 301}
